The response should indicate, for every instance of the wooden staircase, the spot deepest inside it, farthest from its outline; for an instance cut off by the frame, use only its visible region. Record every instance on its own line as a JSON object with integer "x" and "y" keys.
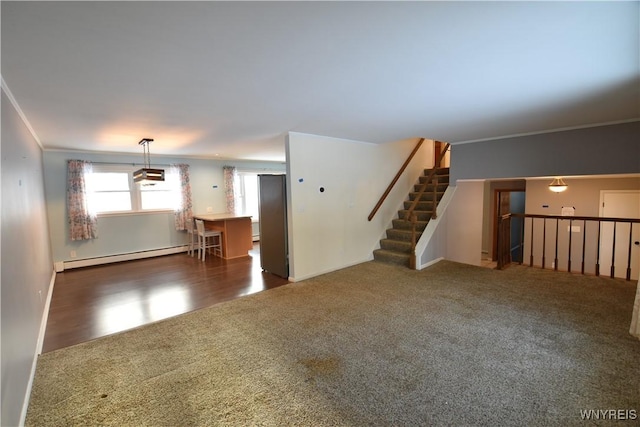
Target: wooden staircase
{"x": 396, "y": 248}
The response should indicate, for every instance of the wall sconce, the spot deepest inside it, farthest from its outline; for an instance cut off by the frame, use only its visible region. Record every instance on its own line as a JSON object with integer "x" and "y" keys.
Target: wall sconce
{"x": 147, "y": 175}
{"x": 558, "y": 185}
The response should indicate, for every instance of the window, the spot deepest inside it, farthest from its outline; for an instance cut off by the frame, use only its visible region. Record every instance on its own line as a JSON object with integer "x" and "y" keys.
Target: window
{"x": 248, "y": 200}
{"x": 112, "y": 190}
{"x": 162, "y": 195}
{"x": 249, "y": 194}
{"x": 109, "y": 191}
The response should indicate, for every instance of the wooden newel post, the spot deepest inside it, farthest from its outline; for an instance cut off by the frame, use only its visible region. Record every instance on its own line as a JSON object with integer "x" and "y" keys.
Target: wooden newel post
{"x": 434, "y": 215}
{"x": 412, "y": 258}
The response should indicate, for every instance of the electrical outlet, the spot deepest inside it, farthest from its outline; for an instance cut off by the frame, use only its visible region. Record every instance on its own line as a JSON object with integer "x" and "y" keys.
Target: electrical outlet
{"x": 73, "y": 254}
{"x": 209, "y": 209}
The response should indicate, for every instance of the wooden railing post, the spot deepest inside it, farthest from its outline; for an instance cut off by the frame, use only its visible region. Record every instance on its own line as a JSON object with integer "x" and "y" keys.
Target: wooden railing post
{"x": 412, "y": 258}
{"x": 434, "y": 215}
{"x": 616, "y": 225}
{"x": 629, "y": 256}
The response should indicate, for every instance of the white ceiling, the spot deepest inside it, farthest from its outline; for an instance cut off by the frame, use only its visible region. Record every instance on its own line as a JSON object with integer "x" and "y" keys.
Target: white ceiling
{"x": 232, "y": 78}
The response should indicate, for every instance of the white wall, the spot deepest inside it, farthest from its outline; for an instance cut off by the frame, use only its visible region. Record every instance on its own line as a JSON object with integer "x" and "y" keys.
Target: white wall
{"x": 124, "y": 234}
{"x": 27, "y": 266}
{"x": 456, "y": 234}
{"x": 432, "y": 245}
{"x": 464, "y": 223}
{"x": 329, "y": 230}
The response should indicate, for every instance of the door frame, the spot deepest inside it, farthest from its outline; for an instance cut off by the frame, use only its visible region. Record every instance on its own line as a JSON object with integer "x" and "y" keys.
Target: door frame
{"x": 495, "y": 209}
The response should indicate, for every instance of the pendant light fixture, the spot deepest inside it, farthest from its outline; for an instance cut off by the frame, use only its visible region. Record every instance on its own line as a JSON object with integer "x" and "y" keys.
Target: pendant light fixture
{"x": 558, "y": 185}
{"x": 147, "y": 175}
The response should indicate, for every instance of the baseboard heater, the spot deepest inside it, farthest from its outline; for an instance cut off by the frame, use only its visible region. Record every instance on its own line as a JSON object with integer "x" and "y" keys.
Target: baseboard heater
{"x": 88, "y": 262}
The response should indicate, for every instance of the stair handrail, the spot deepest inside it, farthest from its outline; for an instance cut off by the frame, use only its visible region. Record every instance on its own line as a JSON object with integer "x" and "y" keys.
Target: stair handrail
{"x": 433, "y": 174}
{"x": 410, "y": 216}
{"x": 395, "y": 179}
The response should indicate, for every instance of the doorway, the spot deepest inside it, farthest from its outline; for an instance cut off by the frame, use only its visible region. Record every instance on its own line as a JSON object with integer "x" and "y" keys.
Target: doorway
{"x": 507, "y": 201}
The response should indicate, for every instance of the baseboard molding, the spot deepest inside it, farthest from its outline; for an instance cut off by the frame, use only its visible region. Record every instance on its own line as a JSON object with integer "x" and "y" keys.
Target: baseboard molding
{"x": 39, "y": 344}
{"x": 88, "y": 262}
{"x": 430, "y": 263}
{"x": 309, "y": 276}
{"x": 45, "y": 315}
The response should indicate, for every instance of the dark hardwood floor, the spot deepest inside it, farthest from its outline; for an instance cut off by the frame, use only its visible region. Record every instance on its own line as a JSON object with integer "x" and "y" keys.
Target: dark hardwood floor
{"x": 92, "y": 302}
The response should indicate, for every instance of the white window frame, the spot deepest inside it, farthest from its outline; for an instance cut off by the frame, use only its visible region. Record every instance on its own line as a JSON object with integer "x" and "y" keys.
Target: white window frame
{"x": 134, "y": 189}
{"x": 243, "y": 194}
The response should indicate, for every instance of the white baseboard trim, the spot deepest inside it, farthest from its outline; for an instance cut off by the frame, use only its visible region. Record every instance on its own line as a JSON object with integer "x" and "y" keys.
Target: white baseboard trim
{"x": 430, "y": 263}
{"x": 45, "y": 316}
{"x": 122, "y": 257}
{"x": 309, "y": 276}
{"x": 38, "y": 352}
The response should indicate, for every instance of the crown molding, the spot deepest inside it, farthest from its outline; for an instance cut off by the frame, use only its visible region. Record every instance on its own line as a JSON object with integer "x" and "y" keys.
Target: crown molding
{"x": 517, "y": 135}
{"x": 15, "y": 104}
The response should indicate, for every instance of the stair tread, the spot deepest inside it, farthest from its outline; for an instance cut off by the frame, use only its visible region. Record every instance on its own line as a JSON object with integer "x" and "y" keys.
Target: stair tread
{"x": 415, "y": 210}
{"x": 401, "y": 242}
{"x": 392, "y": 253}
{"x": 406, "y": 231}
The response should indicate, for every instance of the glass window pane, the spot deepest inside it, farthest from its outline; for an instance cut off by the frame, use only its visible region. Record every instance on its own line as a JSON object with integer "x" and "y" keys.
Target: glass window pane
{"x": 109, "y": 181}
{"x": 157, "y": 186}
{"x": 251, "y": 195}
{"x": 111, "y": 201}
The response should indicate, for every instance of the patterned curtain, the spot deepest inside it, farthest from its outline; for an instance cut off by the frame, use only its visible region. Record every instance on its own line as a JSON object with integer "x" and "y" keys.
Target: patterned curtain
{"x": 230, "y": 184}
{"x": 183, "y": 213}
{"x": 83, "y": 224}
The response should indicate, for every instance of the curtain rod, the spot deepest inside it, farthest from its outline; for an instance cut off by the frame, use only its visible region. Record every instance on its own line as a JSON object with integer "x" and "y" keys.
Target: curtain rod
{"x": 129, "y": 164}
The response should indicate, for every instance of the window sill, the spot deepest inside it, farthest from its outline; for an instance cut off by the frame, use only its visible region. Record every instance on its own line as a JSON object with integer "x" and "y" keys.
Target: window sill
{"x": 129, "y": 213}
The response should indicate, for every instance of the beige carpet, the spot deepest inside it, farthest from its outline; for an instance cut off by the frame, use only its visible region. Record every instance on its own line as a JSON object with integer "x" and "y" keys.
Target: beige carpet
{"x": 369, "y": 345}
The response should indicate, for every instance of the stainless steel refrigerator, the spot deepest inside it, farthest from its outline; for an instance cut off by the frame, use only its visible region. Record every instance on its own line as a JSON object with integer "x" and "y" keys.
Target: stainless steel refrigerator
{"x": 274, "y": 254}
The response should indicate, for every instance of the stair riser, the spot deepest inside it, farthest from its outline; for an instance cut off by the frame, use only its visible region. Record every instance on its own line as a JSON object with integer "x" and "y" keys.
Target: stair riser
{"x": 396, "y": 246}
{"x": 426, "y": 196}
{"x": 420, "y": 216}
{"x": 399, "y": 224}
{"x": 420, "y": 206}
{"x": 398, "y": 260}
{"x": 402, "y": 235}
{"x": 441, "y": 180}
{"x": 441, "y": 171}
{"x": 441, "y": 187}
{"x": 428, "y": 192}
